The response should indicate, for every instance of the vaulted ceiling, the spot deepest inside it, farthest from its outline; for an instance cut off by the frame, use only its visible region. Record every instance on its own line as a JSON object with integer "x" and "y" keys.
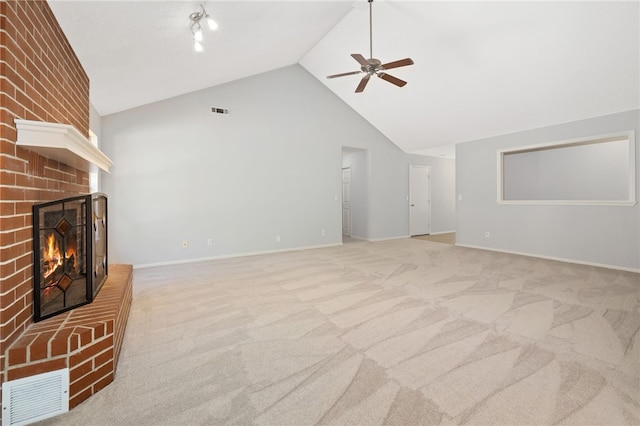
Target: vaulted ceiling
{"x": 481, "y": 68}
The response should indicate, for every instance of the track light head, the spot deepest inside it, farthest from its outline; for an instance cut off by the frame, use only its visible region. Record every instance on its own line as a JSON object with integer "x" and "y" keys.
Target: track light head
{"x": 213, "y": 25}
{"x": 196, "y": 27}
{"x": 197, "y": 34}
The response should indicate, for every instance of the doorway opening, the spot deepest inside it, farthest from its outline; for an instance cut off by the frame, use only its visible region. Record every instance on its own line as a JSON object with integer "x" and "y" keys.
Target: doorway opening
{"x": 355, "y": 202}
{"x": 419, "y": 200}
{"x": 346, "y": 202}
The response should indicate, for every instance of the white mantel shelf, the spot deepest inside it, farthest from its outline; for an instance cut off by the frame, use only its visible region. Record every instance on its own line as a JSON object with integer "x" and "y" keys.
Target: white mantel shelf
{"x": 61, "y": 142}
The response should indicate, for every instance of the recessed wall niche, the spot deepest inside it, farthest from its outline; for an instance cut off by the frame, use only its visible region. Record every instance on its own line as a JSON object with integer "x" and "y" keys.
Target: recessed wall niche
{"x": 586, "y": 171}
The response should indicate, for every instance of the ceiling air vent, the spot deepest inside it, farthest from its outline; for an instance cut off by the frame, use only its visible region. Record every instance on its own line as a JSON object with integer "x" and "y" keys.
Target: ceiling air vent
{"x": 217, "y": 110}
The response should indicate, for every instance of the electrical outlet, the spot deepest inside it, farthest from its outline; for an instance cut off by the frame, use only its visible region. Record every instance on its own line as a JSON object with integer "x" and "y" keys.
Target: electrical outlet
{"x": 487, "y": 235}
{"x": 210, "y": 242}
{"x": 277, "y": 238}
{"x": 185, "y": 244}
{"x": 323, "y": 232}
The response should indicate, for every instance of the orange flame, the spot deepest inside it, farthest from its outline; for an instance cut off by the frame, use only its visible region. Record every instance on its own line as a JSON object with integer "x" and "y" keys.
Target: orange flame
{"x": 53, "y": 258}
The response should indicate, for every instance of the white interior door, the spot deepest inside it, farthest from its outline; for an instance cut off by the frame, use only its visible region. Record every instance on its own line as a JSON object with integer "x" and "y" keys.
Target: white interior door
{"x": 346, "y": 201}
{"x": 419, "y": 200}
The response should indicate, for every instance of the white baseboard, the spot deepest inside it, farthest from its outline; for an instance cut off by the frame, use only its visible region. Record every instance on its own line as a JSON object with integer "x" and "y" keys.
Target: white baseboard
{"x": 399, "y": 237}
{"x": 255, "y": 253}
{"x": 373, "y": 240}
{"x": 443, "y": 232}
{"x": 231, "y": 256}
{"x": 559, "y": 259}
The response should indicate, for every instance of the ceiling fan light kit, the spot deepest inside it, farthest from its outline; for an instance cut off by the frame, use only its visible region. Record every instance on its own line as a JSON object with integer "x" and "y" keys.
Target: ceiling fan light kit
{"x": 196, "y": 28}
{"x": 373, "y": 66}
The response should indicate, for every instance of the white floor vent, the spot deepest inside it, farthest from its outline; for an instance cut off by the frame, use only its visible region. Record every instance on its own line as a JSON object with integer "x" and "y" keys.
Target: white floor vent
{"x": 28, "y": 400}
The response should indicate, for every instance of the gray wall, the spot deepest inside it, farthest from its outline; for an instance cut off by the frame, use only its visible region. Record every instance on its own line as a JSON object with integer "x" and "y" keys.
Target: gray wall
{"x": 599, "y": 171}
{"x": 604, "y": 235}
{"x": 443, "y": 191}
{"x": 364, "y": 184}
{"x": 95, "y": 122}
{"x": 271, "y": 167}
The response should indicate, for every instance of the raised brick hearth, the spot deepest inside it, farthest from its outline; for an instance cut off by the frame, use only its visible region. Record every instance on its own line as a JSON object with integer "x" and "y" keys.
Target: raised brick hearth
{"x": 87, "y": 340}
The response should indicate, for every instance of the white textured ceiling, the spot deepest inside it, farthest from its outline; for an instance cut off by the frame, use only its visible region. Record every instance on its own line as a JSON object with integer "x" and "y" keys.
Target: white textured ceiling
{"x": 481, "y": 68}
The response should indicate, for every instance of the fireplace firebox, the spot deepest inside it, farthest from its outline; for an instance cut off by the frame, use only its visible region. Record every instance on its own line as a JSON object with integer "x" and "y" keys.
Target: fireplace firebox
{"x": 70, "y": 253}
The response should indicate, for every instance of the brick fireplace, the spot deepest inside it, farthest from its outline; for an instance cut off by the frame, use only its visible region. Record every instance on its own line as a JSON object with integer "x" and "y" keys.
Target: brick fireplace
{"x": 41, "y": 80}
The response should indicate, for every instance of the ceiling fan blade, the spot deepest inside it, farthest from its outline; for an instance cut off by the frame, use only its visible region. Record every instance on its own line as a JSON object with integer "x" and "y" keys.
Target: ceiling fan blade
{"x": 344, "y": 74}
{"x": 363, "y": 83}
{"x": 361, "y": 60}
{"x": 396, "y": 64}
{"x": 392, "y": 79}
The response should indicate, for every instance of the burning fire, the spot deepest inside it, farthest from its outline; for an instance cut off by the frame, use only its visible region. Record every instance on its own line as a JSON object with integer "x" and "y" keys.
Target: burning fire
{"x": 53, "y": 257}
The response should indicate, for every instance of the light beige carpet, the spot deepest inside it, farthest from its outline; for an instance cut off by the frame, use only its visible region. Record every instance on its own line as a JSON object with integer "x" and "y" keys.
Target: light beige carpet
{"x": 400, "y": 332}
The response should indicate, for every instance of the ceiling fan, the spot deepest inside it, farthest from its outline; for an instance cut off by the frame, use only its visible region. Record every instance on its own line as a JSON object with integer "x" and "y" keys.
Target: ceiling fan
{"x": 373, "y": 66}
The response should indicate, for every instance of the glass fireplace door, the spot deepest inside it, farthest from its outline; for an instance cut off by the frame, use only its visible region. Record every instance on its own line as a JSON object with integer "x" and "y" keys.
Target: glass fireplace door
{"x": 60, "y": 236}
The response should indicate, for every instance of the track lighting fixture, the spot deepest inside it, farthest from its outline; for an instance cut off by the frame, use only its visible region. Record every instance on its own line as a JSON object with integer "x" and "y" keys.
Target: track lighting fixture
{"x": 196, "y": 28}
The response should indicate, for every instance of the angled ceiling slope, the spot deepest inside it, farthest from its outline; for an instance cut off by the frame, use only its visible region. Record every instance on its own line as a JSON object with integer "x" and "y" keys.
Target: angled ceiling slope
{"x": 141, "y": 51}
{"x": 481, "y": 68}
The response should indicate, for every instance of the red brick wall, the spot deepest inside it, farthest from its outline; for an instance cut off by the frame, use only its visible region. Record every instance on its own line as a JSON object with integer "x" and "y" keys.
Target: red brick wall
{"x": 40, "y": 79}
